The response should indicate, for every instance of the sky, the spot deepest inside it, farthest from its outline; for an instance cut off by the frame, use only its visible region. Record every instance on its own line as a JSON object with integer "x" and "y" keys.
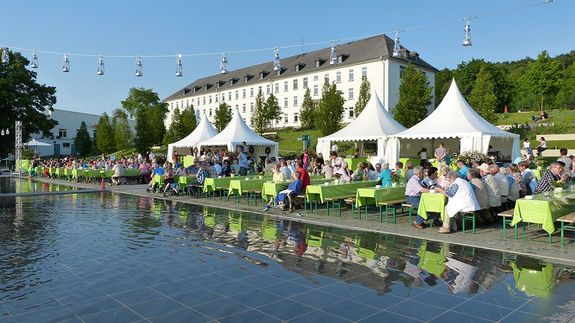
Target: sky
{"x": 155, "y": 28}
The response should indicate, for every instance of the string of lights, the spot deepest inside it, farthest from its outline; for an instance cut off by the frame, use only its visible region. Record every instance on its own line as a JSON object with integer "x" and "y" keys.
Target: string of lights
{"x": 224, "y": 65}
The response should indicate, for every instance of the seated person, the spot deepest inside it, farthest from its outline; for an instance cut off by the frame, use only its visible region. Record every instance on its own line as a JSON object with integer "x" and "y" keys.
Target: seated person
{"x": 226, "y": 169}
{"x": 361, "y": 173}
{"x": 344, "y": 174}
{"x": 462, "y": 169}
{"x": 413, "y": 192}
{"x": 327, "y": 171}
{"x": 119, "y": 172}
{"x": 430, "y": 181}
{"x": 461, "y": 199}
{"x": 384, "y": 176}
{"x": 278, "y": 176}
{"x": 294, "y": 188}
{"x": 548, "y": 180}
{"x": 193, "y": 168}
{"x": 374, "y": 172}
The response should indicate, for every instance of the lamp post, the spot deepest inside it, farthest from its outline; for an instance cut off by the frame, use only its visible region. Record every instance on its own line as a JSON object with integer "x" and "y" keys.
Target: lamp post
{"x": 17, "y": 141}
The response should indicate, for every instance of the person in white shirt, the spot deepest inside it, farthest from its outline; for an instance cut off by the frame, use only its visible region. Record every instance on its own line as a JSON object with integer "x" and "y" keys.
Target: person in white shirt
{"x": 461, "y": 199}
{"x": 345, "y": 175}
{"x": 501, "y": 182}
{"x": 527, "y": 147}
{"x": 542, "y": 146}
{"x": 334, "y": 147}
{"x": 492, "y": 189}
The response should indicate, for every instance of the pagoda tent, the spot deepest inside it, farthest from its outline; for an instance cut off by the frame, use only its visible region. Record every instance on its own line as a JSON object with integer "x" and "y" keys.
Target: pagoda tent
{"x": 458, "y": 126}
{"x": 374, "y": 123}
{"x": 237, "y": 132}
{"x": 203, "y": 131}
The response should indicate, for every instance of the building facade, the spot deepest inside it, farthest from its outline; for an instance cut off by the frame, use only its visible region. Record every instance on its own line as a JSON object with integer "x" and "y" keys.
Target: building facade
{"x": 64, "y": 132}
{"x": 371, "y": 57}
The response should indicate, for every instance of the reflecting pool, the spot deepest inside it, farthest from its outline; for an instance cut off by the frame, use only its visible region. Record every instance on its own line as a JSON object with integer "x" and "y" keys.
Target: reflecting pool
{"x": 24, "y": 185}
{"x": 105, "y": 257}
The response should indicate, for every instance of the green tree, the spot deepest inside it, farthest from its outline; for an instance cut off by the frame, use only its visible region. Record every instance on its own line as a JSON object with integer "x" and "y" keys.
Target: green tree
{"x": 105, "y": 135}
{"x": 223, "y": 116}
{"x": 145, "y": 103}
{"x": 258, "y": 120}
{"x": 482, "y": 97}
{"x": 566, "y": 94}
{"x": 414, "y": 97}
{"x": 307, "y": 111}
{"x": 23, "y": 99}
{"x": 364, "y": 96}
{"x": 82, "y": 140}
{"x": 330, "y": 109}
{"x": 272, "y": 110}
{"x": 189, "y": 119}
{"x": 122, "y": 131}
{"x": 173, "y": 133}
{"x": 542, "y": 77}
{"x": 142, "y": 140}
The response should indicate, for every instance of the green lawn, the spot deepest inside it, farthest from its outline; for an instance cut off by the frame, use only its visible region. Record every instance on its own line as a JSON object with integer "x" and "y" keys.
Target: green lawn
{"x": 562, "y": 118}
{"x": 288, "y": 142}
{"x": 569, "y": 144}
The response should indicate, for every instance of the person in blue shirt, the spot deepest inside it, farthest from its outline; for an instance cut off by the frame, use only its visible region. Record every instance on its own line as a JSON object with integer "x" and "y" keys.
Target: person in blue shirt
{"x": 385, "y": 176}
{"x": 294, "y": 188}
{"x": 462, "y": 169}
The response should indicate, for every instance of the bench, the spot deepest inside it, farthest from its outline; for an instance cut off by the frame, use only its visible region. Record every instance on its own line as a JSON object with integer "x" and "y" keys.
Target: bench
{"x": 507, "y": 217}
{"x": 336, "y": 201}
{"x": 389, "y": 209}
{"x": 411, "y": 210}
{"x": 468, "y": 216}
{"x": 567, "y": 223}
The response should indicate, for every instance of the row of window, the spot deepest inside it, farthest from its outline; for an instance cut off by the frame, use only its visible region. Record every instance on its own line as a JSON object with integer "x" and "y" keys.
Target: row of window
{"x": 276, "y": 88}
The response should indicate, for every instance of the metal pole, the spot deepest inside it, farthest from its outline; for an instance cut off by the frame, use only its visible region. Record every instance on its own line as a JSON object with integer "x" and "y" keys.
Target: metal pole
{"x": 18, "y": 146}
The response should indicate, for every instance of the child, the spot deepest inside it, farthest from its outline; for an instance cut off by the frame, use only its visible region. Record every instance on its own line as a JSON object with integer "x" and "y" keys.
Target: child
{"x": 294, "y": 188}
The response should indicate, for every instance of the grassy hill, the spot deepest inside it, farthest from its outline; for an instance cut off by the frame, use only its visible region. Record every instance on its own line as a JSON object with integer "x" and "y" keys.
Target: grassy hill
{"x": 563, "y": 120}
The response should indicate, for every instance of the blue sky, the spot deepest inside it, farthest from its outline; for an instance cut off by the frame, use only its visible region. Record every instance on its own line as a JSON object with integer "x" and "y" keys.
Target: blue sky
{"x": 170, "y": 27}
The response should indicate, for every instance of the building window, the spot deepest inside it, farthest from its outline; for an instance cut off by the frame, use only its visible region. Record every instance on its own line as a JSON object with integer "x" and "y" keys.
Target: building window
{"x": 295, "y": 101}
{"x": 337, "y": 77}
{"x": 305, "y": 83}
{"x": 252, "y": 107}
{"x": 251, "y": 92}
{"x": 259, "y": 89}
{"x": 316, "y": 77}
{"x": 216, "y": 97}
{"x": 285, "y": 118}
{"x": 268, "y": 89}
{"x": 277, "y": 88}
{"x": 237, "y": 107}
{"x": 351, "y": 75}
{"x": 63, "y": 133}
{"x": 350, "y": 94}
{"x": 326, "y": 77}
{"x": 295, "y": 117}
{"x": 401, "y": 71}
{"x": 237, "y": 95}
{"x": 350, "y": 113}
{"x": 230, "y": 96}
{"x": 315, "y": 90}
{"x": 243, "y": 93}
{"x": 285, "y": 102}
{"x": 66, "y": 145}
{"x": 210, "y": 112}
{"x": 204, "y": 100}
{"x": 177, "y": 105}
{"x": 209, "y": 99}
{"x": 286, "y": 86}
{"x": 294, "y": 85}
{"x": 364, "y": 71}
{"x": 172, "y": 106}
{"x": 244, "y": 108}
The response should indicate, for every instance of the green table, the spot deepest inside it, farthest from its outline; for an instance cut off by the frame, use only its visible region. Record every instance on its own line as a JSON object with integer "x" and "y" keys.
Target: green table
{"x": 188, "y": 161}
{"x": 373, "y": 196}
{"x": 322, "y": 192}
{"x": 432, "y": 202}
{"x": 240, "y": 186}
{"x": 352, "y": 163}
{"x": 185, "y": 181}
{"x": 271, "y": 189}
{"x": 542, "y": 210}
{"x": 216, "y": 183}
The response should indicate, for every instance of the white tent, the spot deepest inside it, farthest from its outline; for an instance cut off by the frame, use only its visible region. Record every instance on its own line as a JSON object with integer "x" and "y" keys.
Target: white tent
{"x": 203, "y": 131}
{"x": 374, "y": 123}
{"x": 455, "y": 122}
{"x": 236, "y": 132}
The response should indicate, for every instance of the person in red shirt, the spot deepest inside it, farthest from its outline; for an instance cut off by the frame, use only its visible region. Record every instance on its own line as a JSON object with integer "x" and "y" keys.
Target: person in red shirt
{"x": 305, "y": 180}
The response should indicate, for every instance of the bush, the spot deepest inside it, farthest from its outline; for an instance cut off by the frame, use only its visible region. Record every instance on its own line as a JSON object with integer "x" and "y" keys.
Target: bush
{"x": 472, "y": 157}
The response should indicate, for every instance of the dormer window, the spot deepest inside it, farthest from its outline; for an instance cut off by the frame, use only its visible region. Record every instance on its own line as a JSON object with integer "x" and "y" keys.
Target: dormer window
{"x": 319, "y": 62}
{"x": 247, "y": 78}
{"x": 233, "y": 81}
{"x": 197, "y": 88}
{"x": 263, "y": 74}
{"x": 207, "y": 86}
{"x": 219, "y": 84}
{"x": 298, "y": 67}
{"x": 185, "y": 91}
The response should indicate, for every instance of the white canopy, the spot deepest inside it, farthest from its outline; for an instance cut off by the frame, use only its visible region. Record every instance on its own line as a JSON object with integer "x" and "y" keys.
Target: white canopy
{"x": 203, "y": 131}
{"x": 374, "y": 123}
{"x": 36, "y": 143}
{"x": 236, "y": 132}
{"x": 455, "y": 118}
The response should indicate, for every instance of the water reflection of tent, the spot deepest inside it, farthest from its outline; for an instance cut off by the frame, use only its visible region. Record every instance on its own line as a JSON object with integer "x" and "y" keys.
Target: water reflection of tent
{"x": 533, "y": 282}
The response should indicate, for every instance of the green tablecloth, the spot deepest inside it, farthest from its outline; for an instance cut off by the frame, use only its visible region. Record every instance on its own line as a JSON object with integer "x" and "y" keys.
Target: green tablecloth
{"x": 352, "y": 163}
{"x": 188, "y": 161}
{"x": 271, "y": 189}
{"x": 534, "y": 282}
{"x": 240, "y": 186}
{"x": 321, "y": 192}
{"x": 544, "y": 211}
{"x": 184, "y": 181}
{"x": 432, "y": 202}
{"x": 538, "y": 172}
{"x": 373, "y": 196}
{"x": 216, "y": 183}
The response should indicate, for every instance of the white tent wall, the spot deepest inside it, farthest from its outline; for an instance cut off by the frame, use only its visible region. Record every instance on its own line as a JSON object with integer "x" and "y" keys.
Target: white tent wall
{"x": 323, "y": 146}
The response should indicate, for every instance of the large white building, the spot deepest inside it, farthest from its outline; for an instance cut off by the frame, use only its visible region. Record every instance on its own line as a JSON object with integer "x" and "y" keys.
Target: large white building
{"x": 64, "y": 132}
{"x": 371, "y": 57}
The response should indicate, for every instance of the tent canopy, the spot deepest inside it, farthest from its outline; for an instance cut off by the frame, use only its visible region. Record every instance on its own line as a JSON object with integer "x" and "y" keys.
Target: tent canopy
{"x": 236, "y": 132}
{"x": 374, "y": 123}
{"x": 203, "y": 131}
{"x": 36, "y": 143}
{"x": 455, "y": 118}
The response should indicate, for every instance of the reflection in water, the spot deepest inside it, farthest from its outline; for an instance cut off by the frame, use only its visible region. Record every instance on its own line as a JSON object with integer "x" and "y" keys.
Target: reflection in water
{"x": 48, "y": 241}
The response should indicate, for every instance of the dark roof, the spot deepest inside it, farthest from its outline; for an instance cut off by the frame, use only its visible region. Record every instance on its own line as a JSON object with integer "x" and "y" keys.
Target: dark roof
{"x": 352, "y": 52}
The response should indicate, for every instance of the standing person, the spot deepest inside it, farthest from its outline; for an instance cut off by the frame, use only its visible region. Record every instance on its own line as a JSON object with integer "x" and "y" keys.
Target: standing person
{"x": 305, "y": 159}
{"x": 304, "y": 175}
{"x": 542, "y": 146}
{"x": 527, "y": 147}
{"x": 461, "y": 199}
{"x": 423, "y": 157}
{"x": 334, "y": 147}
{"x": 413, "y": 191}
{"x": 440, "y": 153}
{"x": 243, "y": 161}
{"x": 336, "y": 161}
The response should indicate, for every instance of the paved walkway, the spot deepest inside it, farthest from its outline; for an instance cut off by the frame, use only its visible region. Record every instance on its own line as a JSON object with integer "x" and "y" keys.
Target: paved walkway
{"x": 489, "y": 238}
